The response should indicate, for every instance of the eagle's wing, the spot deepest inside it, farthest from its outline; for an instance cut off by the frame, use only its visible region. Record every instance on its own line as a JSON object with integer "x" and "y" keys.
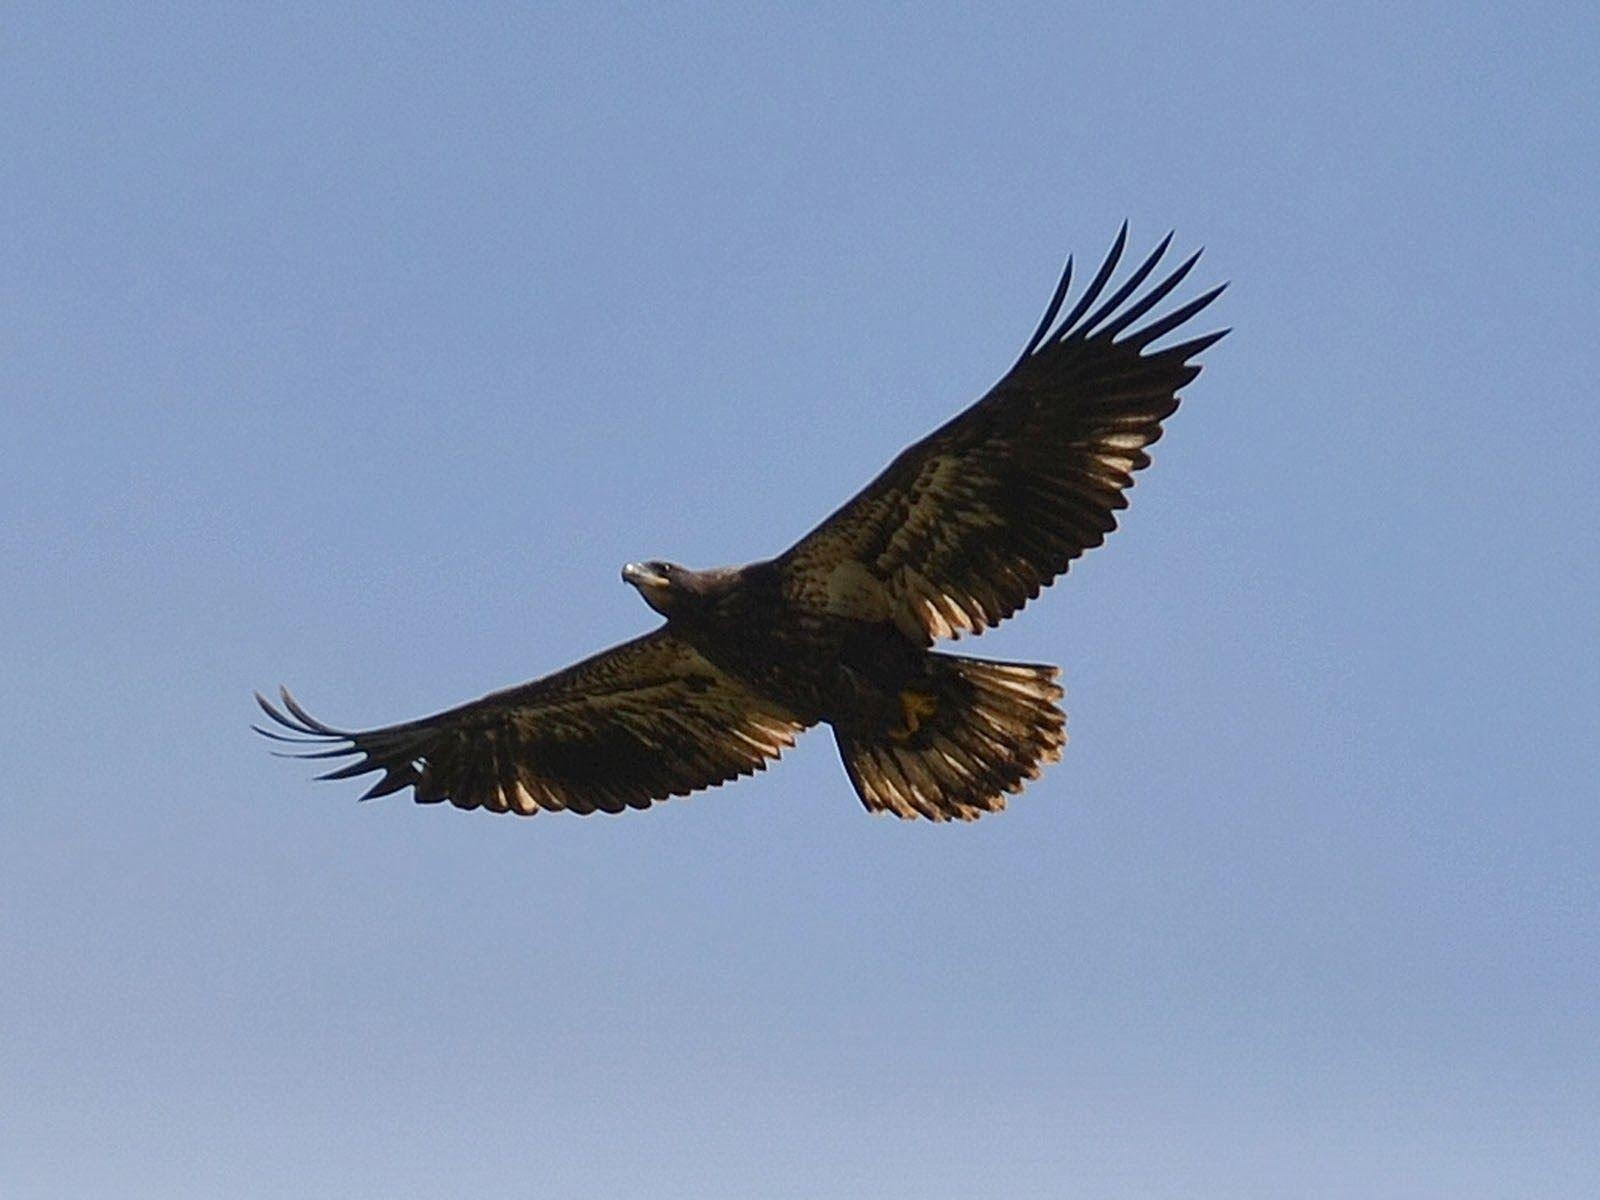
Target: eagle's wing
{"x": 966, "y": 525}
{"x": 648, "y": 719}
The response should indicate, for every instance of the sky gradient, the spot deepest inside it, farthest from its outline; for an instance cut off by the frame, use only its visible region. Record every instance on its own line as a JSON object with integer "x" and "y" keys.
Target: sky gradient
{"x": 358, "y": 351}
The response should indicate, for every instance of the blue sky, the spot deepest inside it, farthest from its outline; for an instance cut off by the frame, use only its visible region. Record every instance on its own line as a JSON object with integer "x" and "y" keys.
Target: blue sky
{"x": 358, "y": 350}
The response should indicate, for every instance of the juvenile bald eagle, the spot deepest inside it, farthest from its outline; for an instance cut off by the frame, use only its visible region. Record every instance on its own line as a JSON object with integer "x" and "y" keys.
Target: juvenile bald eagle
{"x": 956, "y": 534}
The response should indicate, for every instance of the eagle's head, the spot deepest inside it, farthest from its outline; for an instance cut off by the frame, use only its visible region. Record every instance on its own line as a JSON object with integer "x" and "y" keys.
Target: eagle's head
{"x": 675, "y": 591}
{"x": 666, "y": 587}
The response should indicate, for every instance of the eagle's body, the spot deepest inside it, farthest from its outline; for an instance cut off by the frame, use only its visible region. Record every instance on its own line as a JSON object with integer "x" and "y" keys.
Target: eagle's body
{"x": 820, "y": 665}
{"x": 961, "y": 530}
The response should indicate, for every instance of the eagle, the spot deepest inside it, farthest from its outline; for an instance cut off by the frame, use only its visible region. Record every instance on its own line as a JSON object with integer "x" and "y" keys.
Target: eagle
{"x": 961, "y": 530}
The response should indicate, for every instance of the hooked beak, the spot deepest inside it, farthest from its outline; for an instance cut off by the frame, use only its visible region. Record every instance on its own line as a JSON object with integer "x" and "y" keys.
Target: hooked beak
{"x": 642, "y": 576}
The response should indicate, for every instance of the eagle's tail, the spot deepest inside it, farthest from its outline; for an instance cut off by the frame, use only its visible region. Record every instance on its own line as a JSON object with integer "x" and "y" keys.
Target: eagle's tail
{"x": 958, "y": 739}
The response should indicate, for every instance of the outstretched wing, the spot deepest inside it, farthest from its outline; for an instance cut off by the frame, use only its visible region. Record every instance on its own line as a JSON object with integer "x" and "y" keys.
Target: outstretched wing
{"x": 645, "y": 720}
{"x": 968, "y": 524}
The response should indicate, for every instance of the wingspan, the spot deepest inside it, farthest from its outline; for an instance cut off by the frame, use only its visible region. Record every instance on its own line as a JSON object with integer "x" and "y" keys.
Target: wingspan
{"x": 968, "y": 524}
{"x": 645, "y": 720}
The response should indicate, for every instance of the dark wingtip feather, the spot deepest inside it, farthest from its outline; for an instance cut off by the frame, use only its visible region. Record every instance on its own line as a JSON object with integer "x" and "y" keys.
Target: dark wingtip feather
{"x": 292, "y": 739}
{"x": 1150, "y": 299}
{"x": 1050, "y": 311}
{"x": 351, "y": 770}
{"x": 309, "y": 724}
{"x": 337, "y": 752}
{"x": 1106, "y": 322}
{"x": 296, "y": 719}
{"x": 1096, "y": 285}
{"x": 310, "y": 736}
{"x": 392, "y": 781}
{"x": 1140, "y": 274}
{"x": 272, "y": 711}
{"x": 1187, "y": 350}
{"x": 1152, "y": 332}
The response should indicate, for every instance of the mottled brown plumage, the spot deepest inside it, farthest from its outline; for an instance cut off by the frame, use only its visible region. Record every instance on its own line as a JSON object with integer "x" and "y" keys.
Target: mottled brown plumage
{"x": 956, "y": 534}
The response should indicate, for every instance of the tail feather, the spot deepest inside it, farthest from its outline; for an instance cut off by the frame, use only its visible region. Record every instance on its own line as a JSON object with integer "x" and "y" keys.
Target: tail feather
{"x": 973, "y": 731}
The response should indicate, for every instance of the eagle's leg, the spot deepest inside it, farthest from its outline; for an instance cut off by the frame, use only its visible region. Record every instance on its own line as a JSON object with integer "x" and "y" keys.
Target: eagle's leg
{"x": 914, "y": 706}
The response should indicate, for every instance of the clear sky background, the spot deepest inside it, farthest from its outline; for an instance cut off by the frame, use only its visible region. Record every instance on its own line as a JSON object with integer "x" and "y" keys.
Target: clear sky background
{"x": 358, "y": 351}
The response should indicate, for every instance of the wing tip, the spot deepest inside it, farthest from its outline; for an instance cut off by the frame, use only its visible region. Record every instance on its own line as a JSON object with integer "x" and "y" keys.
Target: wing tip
{"x": 1107, "y": 321}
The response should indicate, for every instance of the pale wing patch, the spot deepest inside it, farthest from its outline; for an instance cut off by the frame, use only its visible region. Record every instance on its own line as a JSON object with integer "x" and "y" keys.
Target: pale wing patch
{"x": 947, "y": 511}
{"x": 853, "y": 591}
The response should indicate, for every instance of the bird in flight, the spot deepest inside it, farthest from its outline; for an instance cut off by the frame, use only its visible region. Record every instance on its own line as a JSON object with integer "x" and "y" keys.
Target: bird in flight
{"x": 960, "y": 531}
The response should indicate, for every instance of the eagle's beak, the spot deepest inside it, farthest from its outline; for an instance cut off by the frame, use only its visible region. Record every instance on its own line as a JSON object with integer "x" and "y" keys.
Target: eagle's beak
{"x": 642, "y": 576}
